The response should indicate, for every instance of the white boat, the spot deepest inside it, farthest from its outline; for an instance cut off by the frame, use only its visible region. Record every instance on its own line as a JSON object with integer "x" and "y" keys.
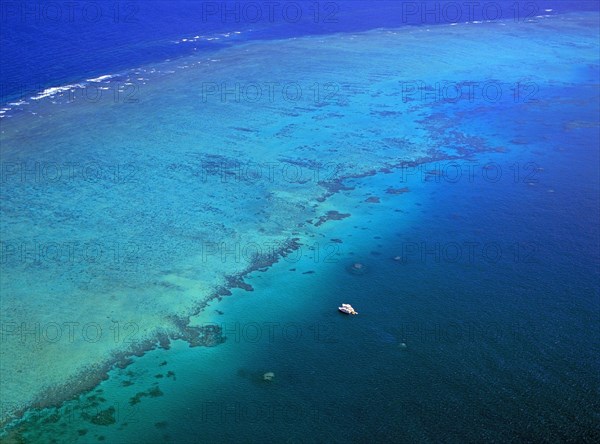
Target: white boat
{"x": 347, "y": 309}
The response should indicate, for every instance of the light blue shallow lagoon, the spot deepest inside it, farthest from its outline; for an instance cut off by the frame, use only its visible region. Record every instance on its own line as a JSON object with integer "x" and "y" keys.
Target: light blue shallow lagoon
{"x": 177, "y": 237}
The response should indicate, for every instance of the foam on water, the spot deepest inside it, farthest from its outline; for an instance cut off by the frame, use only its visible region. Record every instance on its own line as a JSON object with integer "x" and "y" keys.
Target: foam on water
{"x": 102, "y": 78}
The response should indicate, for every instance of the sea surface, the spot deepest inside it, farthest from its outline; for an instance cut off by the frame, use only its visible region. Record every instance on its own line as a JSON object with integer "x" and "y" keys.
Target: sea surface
{"x": 188, "y": 191}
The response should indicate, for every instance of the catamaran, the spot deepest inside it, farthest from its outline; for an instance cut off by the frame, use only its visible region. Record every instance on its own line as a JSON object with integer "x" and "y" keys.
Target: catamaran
{"x": 347, "y": 309}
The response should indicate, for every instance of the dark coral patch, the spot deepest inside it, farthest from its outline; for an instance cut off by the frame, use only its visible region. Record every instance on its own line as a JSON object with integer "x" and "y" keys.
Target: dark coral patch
{"x": 331, "y": 215}
{"x": 137, "y": 398}
{"x": 391, "y": 190}
{"x": 103, "y": 417}
{"x": 237, "y": 281}
{"x": 155, "y": 392}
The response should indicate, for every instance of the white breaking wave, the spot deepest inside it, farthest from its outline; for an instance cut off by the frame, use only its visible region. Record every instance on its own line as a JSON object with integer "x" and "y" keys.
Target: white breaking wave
{"x": 48, "y": 92}
{"x": 197, "y": 38}
{"x": 101, "y": 78}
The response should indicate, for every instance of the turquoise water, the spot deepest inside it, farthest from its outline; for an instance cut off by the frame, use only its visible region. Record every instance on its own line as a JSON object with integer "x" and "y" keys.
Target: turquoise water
{"x": 478, "y": 295}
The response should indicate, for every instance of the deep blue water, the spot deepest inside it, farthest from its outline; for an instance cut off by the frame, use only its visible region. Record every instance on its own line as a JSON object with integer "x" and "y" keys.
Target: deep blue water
{"x": 53, "y": 44}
